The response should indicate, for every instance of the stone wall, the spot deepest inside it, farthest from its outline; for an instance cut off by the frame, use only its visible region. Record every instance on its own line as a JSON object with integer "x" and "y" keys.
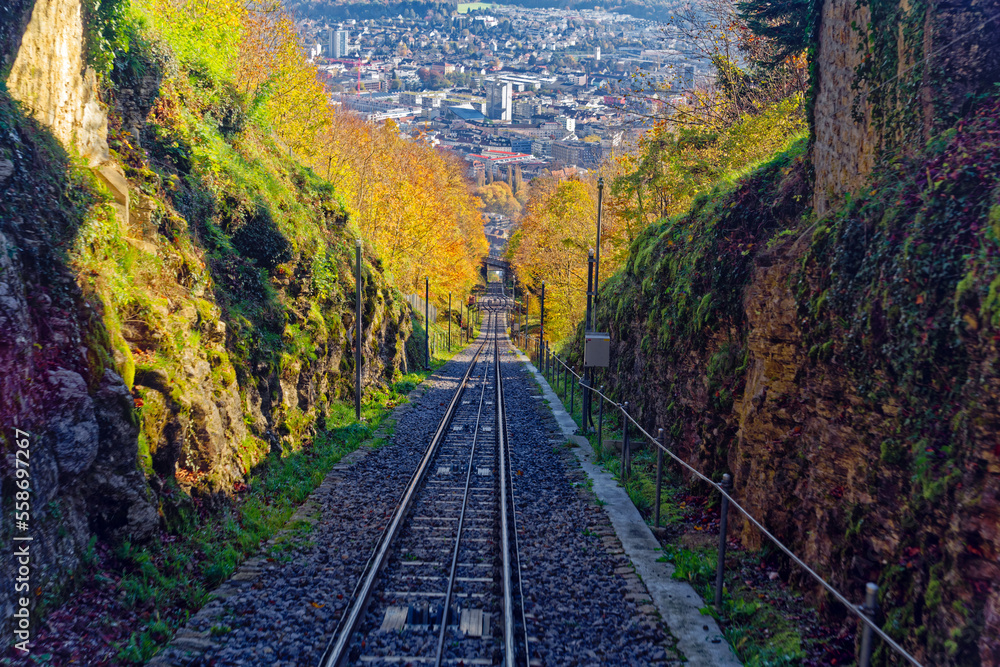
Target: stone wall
{"x": 843, "y": 149}
{"x": 946, "y": 54}
{"x": 50, "y": 78}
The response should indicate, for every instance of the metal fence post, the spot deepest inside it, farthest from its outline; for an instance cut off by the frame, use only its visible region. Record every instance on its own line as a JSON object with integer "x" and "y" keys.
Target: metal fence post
{"x": 600, "y": 424}
{"x": 659, "y": 475}
{"x": 449, "y": 321}
{"x": 868, "y": 609}
{"x": 572, "y": 391}
{"x": 626, "y": 453}
{"x": 720, "y": 569}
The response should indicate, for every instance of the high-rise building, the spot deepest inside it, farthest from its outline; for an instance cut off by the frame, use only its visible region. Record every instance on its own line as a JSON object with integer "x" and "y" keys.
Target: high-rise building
{"x": 597, "y": 53}
{"x": 338, "y": 43}
{"x": 499, "y": 100}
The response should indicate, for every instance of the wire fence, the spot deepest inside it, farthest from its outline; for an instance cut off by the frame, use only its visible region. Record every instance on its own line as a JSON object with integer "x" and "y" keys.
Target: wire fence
{"x": 417, "y": 303}
{"x": 546, "y": 361}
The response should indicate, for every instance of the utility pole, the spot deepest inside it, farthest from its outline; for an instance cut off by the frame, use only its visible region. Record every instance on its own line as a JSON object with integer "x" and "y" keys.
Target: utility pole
{"x": 541, "y": 318}
{"x": 597, "y": 253}
{"x": 449, "y": 321}
{"x": 427, "y": 322}
{"x": 589, "y": 372}
{"x": 357, "y": 332}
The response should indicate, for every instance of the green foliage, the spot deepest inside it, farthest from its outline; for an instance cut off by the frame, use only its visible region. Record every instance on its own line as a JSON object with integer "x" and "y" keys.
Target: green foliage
{"x": 108, "y": 30}
{"x": 700, "y": 262}
{"x": 205, "y": 37}
{"x": 677, "y": 164}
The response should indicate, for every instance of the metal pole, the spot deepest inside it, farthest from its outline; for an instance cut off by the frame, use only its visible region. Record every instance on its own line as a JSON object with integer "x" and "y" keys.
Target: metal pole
{"x": 541, "y": 315}
{"x": 720, "y": 569}
{"x": 597, "y": 252}
{"x": 659, "y": 475}
{"x": 427, "y": 322}
{"x": 449, "y": 321}
{"x": 524, "y": 333}
{"x": 600, "y": 423}
{"x": 626, "y": 454}
{"x": 588, "y": 372}
{"x": 590, "y": 289}
{"x": 868, "y": 609}
{"x": 357, "y": 331}
{"x": 572, "y": 392}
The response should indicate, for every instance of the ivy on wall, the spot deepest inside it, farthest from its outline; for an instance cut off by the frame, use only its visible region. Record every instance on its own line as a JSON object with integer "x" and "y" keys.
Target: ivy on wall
{"x": 887, "y": 81}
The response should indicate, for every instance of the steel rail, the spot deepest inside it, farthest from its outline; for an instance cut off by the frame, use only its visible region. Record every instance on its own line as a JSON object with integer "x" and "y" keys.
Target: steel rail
{"x": 339, "y": 646}
{"x": 507, "y": 477}
{"x": 439, "y": 657}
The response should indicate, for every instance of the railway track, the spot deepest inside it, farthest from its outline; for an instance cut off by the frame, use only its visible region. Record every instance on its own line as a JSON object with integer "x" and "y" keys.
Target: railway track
{"x": 443, "y": 583}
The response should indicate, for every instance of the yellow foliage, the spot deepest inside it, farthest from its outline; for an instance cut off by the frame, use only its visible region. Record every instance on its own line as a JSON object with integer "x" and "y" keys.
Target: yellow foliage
{"x": 551, "y": 245}
{"x": 413, "y": 204}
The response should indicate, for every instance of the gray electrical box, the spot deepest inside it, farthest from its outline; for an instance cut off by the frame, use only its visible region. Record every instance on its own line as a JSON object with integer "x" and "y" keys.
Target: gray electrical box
{"x": 596, "y": 350}
{"x": 515, "y": 327}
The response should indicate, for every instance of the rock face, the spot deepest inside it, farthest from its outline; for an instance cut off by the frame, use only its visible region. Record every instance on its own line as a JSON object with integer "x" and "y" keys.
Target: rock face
{"x": 844, "y": 145}
{"x": 55, "y": 381}
{"x": 133, "y": 351}
{"x": 846, "y": 377}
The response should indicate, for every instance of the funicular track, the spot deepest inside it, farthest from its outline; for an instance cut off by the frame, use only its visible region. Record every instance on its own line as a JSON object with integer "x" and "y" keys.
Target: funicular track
{"x": 443, "y": 583}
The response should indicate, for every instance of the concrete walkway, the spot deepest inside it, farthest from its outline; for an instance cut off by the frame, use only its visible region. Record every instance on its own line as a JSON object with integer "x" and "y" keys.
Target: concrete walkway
{"x": 698, "y": 636}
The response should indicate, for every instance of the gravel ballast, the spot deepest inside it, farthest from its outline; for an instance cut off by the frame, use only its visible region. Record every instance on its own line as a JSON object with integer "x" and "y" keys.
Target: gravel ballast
{"x": 583, "y": 604}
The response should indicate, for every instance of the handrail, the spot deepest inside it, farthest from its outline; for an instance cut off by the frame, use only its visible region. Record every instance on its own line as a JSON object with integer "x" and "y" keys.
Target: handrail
{"x": 578, "y": 377}
{"x": 798, "y": 561}
{"x": 829, "y": 587}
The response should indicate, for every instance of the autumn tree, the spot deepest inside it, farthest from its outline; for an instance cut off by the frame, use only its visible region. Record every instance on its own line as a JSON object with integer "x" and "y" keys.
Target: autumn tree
{"x": 412, "y": 204}
{"x": 551, "y": 245}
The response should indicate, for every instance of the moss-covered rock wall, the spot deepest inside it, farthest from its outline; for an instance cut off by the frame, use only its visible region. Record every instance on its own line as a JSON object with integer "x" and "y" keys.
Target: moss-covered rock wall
{"x": 158, "y": 347}
{"x": 844, "y": 370}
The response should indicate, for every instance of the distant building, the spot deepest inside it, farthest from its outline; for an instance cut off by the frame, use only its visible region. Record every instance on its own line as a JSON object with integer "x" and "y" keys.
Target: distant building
{"x": 519, "y": 145}
{"x": 443, "y": 69}
{"x": 492, "y": 159}
{"x": 527, "y": 109}
{"x": 597, "y": 53}
{"x": 411, "y": 99}
{"x": 578, "y": 153}
{"x": 466, "y": 113}
{"x": 339, "y": 43}
{"x": 499, "y": 100}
